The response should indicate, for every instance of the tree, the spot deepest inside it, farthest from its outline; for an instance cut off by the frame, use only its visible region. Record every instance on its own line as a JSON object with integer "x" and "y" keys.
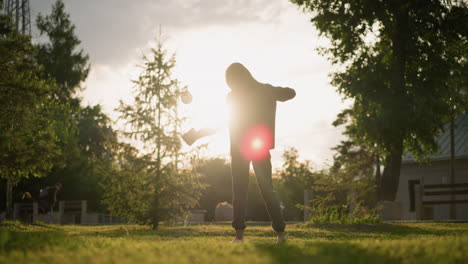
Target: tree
{"x": 96, "y": 142}
{"x": 152, "y": 122}
{"x": 216, "y": 175}
{"x": 28, "y": 142}
{"x": 96, "y": 136}
{"x": 399, "y": 67}
{"x": 130, "y": 189}
{"x": 95, "y": 145}
{"x": 59, "y": 56}
{"x": 128, "y": 185}
{"x": 294, "y": 177}
{"x": 342, "y": 193}
{"x": 85, "y": 134}
{"x": 69, "y": 68}
{"x": 355, "y": 161}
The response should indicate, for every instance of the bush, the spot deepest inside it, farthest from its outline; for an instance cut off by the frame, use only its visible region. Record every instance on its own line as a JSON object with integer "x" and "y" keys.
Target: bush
{"x": 333, "y": 206}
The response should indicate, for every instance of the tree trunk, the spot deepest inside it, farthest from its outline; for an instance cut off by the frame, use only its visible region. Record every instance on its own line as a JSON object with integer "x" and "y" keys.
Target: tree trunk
{"x": 155, "y": 221}
{"x": 453, "y": 211}
{"x": 392, "y": 163}
{"x": 9, "y": 199}
{"x": 155, "y": 213}
{"x": 378, "y": 177}
{"x": 391, "y": 174}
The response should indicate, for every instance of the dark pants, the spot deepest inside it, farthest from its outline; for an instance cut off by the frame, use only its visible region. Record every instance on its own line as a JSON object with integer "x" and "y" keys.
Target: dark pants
{"x": 44, "y": 206}
{"x": 240, "y": 184}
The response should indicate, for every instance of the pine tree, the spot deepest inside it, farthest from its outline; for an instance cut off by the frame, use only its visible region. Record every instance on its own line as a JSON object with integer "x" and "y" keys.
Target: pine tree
{"x": 59, "y": 55}
{"x": 152, "y": 122}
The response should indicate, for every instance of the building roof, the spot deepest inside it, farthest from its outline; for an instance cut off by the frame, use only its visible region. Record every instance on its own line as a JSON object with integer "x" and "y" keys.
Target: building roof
{"x": 443, "y": 141}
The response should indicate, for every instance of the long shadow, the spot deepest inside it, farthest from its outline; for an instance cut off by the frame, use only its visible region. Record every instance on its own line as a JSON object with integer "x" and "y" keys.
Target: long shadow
{"x": 327, "y": 232}
{"x": 391, "y": 230}
{"x": 31, "y": 240}
{"x": 194, "y": 232}
{"x": 189, "y": 233}
{"x": 322, "y": 252}
{"x": 162, "y": 233}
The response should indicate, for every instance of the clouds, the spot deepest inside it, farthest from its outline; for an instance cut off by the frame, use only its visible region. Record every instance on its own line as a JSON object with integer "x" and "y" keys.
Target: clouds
{"x": 271, "y": 37}
{"x": 197, "y": 13}
{"x": 113, "y": 30}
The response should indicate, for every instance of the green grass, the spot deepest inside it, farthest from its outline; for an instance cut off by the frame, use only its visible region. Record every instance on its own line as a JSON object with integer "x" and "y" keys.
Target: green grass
{"x": 380, "y": 243}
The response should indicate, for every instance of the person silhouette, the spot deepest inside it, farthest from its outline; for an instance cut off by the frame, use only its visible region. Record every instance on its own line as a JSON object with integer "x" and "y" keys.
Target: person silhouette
{"x": 48, "y": 199}
{"x": 252, "y": 136}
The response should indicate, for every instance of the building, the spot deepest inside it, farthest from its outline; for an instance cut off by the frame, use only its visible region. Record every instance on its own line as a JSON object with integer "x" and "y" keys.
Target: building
{"x": 437, "y": 171}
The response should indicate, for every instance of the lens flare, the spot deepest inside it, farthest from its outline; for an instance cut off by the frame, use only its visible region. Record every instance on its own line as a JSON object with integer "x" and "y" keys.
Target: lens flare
{"x": 257, "y": 143}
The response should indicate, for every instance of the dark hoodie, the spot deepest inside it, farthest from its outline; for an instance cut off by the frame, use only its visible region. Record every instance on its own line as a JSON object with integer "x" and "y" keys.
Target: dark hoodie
{"x": 252, "y": 104}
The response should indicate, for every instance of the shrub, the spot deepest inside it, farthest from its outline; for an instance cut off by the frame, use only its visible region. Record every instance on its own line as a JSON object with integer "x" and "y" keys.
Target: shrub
{"x": 332, "y": 206}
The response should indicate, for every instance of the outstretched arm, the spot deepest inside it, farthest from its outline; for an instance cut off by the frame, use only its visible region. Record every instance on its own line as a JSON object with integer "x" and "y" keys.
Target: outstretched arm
{"x": 193, "y": 135}
{"x": 281, "y": 93}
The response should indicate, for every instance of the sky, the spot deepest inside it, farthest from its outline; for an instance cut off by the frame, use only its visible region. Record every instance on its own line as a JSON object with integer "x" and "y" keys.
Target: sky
{"x": 274, "y": 39}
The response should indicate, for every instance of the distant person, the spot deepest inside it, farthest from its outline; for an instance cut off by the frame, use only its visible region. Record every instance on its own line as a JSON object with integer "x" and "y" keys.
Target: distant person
{"x": 26, "y": 213}
{"x": 48, "y": 198}
{"x": 252, "y": 135}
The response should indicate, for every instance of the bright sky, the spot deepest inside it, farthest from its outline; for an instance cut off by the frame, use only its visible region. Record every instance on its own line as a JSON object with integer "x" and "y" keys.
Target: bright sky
{"x": 272, "y": 38}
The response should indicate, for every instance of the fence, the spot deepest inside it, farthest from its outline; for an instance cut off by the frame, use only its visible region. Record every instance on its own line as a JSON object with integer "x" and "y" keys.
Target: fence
{"x": 69, "y": 212}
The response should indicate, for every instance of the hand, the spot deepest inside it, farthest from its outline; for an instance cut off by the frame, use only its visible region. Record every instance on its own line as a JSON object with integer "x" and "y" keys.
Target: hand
{"x": 193, "y": 135}
{"x": 207, "y": 132}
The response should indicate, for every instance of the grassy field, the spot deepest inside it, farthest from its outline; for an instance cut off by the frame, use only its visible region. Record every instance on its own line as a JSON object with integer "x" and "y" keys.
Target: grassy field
{"x": 381, "y": 243}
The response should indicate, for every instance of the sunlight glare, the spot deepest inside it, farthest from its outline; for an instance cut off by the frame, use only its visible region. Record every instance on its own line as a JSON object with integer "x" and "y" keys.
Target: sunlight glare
{"x": 257, "y": 143}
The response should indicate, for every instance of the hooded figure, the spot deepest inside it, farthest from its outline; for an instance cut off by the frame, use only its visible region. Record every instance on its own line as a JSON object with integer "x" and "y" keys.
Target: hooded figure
{"x": 252, "y": 135}
{"x": 253, "y": 112}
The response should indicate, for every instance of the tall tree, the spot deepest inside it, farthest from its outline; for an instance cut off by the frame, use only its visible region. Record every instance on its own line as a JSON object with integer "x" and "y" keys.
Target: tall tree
{"x": 27, "y": 135}
{"x": 85, "y": 135}
{"x": 60, "y": 55}
{"x": 153, "y": 123}
{"x": 69, "y": 68}
{"x": 398, "y": 69}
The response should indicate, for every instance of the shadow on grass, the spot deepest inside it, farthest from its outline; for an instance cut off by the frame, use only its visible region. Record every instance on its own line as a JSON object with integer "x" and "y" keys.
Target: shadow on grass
{"x": 202, "y": 231}
{"x": 322, "y": 252}
{"x": 328, "y": 232}
{"x": 390, "y": 230}
{"x": 25, "y": 237}
{"x": 31, "y": 240}
{"x": 163, "y": 233}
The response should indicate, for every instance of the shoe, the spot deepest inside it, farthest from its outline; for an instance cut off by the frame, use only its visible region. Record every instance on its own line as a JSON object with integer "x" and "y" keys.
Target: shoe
{"x": 236, "y": 240}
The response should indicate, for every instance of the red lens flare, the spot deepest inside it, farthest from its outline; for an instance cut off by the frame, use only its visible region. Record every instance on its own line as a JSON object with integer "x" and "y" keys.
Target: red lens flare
{"x": 257, "y": 143}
